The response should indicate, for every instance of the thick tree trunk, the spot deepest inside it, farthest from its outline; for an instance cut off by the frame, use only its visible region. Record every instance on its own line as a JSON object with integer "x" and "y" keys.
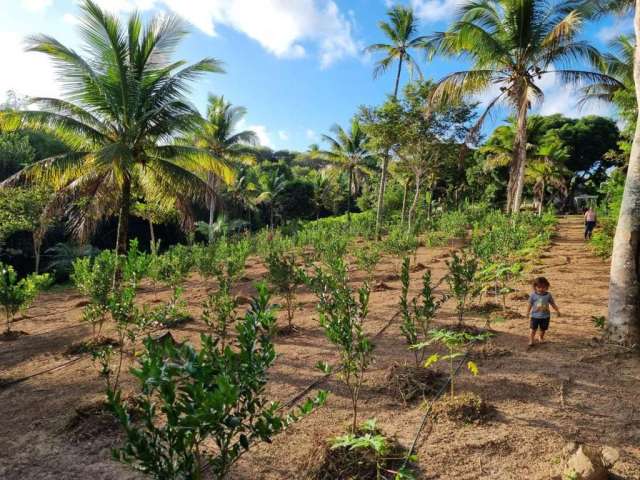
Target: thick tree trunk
{"x": 123, "y": 217}
{"x": 623, "y": 325}
{"x": 383, "y": 182}
{"x": 520, "y": 150}
{"x": 412, "y": 209}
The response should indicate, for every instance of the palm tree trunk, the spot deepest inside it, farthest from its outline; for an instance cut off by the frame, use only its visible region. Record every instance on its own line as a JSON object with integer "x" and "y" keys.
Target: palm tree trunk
{"x": 623, "y": 325}
{"x": 404, "y": 201}
{"x": 349, "y": 195}
{"x": 413, "y": 204}
{"x": 395, "y": 90}
{"x": 123, "y": 217}
{"x": 212, "y": 205}
{"x": 152, "y": 233}
{"x": 520, "y": 151}
{"x": 383, "y": 182}
{"x": 541, "y": 199}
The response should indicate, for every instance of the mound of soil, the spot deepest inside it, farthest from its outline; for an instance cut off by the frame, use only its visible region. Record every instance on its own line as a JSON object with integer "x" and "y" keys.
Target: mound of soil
{"x": 418, "y": 267}
{"x": 490, "y": 350}
{"x": 345, "y": 463}
{"x": 409, "y": 383}
{"x": 463, "y": 408}
{"x": 91, "y": 345}
{"x": 464, "y": 328}
{"x": 287, "y": 330}
{"x": 487, "y": 307}
{"x": 381, "y": 287}
{"x": 90, "y": 421}
{"x": 12, "y": 335}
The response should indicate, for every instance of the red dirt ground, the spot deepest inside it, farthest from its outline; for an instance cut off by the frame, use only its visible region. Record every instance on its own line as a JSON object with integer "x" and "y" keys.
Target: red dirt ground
{"x": 574, "y": 387}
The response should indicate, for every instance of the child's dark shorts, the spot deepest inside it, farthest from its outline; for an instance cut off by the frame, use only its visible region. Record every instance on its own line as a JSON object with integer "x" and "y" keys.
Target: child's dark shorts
{"x": 540, "y": 323}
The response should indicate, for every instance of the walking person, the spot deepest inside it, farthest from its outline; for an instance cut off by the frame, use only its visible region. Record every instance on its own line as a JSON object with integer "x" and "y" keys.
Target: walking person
{"x": 589, "y": 223}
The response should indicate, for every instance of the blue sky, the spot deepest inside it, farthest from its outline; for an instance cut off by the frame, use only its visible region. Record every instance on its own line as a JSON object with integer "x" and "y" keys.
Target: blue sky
{"x": 297, "y": 65}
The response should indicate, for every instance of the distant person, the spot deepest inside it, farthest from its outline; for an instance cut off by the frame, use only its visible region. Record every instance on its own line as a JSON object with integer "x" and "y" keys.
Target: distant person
{"x": 589, "y": 222}
{"x": 538, "y": 310}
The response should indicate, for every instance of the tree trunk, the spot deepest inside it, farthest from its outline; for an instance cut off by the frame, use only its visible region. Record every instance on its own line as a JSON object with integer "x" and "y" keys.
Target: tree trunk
{"x": 37, "y": 245}
{"x": 212, "y": 205}
{"x": 404, "y": 201}
{"x": 541, "y": 199}
{"x": 520, "y": 150}
{"x": 383, "y": 181}
{"x": 395, "y": 90}
{"x": 623, "y": 325}
{"x": 123, "y": 217}
{"x": 349, "y": 195}
{"x": 152, "y": 233}
{"x": 413, "y": 204}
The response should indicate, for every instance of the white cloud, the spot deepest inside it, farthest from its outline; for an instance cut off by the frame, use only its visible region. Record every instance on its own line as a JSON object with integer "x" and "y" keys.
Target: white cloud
{"x": 435, "y": 10}
{"x": 620, "y": 26}
{"x": 564, "y": 99}
{"x": 70, "y": 19}
{"x": 282, "y": 27}
{"x": 262, "y": 133}
{"x": 30, "y": 73}
{"x": 311, "y": 134}
{"x": 283, "y": 135}
{"x": 36, "y": 5}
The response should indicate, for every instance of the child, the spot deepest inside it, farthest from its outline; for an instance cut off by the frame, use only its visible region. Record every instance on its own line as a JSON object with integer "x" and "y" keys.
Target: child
{"x": 589, "y": 223}
{"x": 539, "y": 302}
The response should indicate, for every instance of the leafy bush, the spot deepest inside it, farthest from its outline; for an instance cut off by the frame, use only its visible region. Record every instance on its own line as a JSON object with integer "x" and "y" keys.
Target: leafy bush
{"x": 284, "y": 277}
{"x": 461, "y": 279}
{"x": 212, "y": 394}
{"x": 17, "y": 295}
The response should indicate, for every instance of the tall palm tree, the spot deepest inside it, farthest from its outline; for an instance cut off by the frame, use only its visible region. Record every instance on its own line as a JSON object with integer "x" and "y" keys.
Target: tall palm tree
{"x": 348, "y": 151}
{"x": 401, "y": 31}
{"x": 512, "y": 45}
{"x": 623, "y": 319}
{"x": 124, "y": 104}
{"x": 217, "y": 134}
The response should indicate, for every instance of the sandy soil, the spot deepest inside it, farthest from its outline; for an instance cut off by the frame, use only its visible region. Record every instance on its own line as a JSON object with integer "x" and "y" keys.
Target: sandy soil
{"x": 574, "y": 387}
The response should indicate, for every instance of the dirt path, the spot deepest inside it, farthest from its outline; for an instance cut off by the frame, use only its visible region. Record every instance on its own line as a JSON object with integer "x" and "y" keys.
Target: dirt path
{"x": 571, "y": 388}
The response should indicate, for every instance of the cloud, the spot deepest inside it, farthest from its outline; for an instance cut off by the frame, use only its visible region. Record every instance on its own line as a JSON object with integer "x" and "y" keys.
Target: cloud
{"x": 311, "y": 134}
{"x": 431, "y": 11}
{"x": 70, "y": 19}
{"x": 36, "y": 5}
{"x": 620, "y": 26}
{"x": 284, "y": 28}
{"x": 30, "y": 73}
{"x": 283, "y": 135}
{"x": 564, "y": 99}
{"x": 262, "y": 133}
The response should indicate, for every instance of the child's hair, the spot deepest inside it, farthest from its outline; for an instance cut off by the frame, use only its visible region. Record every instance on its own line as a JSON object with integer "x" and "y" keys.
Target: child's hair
{"x": 541, "y": 282}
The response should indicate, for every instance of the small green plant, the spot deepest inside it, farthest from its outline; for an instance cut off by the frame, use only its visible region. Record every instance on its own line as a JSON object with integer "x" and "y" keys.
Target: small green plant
{"x": 416, "y": 318}
{"x": 93, "y": 277}
{"x": 172, "y": 269}
{"x": 285, "y": 277}
{"x": 213, "y": 395}
{"x": 219, "y": 313}
{"x": 17, "y": 295}
{"x": 342, "y": 315}
{"x": 369, "y": 437}
{"x": 453, "y": 341}
{"x": 599, "y": 321}
{"x": 400, "y": 243}
{"x": 367, "y": 258}
{"x": 498, "y": 276}
{"x": 461, "y": 280}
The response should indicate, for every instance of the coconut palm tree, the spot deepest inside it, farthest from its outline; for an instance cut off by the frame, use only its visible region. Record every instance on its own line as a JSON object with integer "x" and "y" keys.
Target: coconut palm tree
{"x": 546, "y": 170}
{"x": 623, "y": 320}
{"x": 217, "y": 134}
{"x": 512, "y": 45}
{"x": 271, "y": 186}
{"x": 124, "y": 104}
{"x": 402, "y": 33}
{"x": 348, "y": 151}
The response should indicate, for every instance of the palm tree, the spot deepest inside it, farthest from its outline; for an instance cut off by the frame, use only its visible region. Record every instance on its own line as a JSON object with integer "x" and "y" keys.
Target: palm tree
{"x": 623, "y": 320}
{"x": 401, "y": 31}
{"x": 348, "y": 151}
{"x": 124, "y": 105}
{"x": 512, "y": 45}
{"x": 323, "y": 190}
{"x": 217, "y": 134}
{"x": 271, "y": 186}
{"x": 547, "y": 169}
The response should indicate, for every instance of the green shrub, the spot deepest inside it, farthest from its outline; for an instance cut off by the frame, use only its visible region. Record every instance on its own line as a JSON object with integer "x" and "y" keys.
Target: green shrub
{"x": 17, "y": 295}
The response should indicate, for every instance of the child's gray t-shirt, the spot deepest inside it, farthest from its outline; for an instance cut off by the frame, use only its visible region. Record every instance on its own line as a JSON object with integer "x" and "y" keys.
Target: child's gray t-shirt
{"x": 540, "y": 305}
